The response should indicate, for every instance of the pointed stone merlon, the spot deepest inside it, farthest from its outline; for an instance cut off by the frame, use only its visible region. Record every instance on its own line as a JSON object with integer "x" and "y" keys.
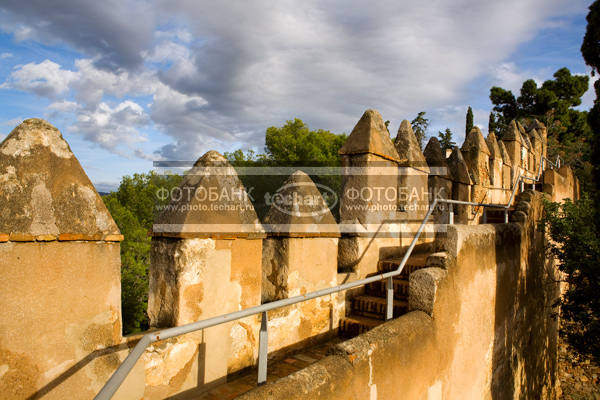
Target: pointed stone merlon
{"x": 496, "y": 169}
{"x": 440, "y": 185}
{"x": 514, "y": 146}
{"x": 60, "y": 268}
{"x": 299, "y": 210}
{"x": 461, "y": 185}
{"x": 211, "y": 202}
{"x": 537, "y": 145}
{"x": 527, "y": 149}
{"x": 477, "y": 157}
{"x": 44, "y": 193}
{"x": 206, "y": 260}
{"x": 476, "y": 154}
{"x": 507, "y": 170}
{"x": 299, "y": 256}
{"x": 543, "y": 133}
{"x": 413, "y": 173}
{"x": 369, "y": 174}
{"x": 369, "y": 194}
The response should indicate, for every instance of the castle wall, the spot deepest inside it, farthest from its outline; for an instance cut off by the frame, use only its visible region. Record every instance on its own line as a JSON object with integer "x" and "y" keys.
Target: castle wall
{"x": 60, "y": 326}
{"x": 482, "y": 328}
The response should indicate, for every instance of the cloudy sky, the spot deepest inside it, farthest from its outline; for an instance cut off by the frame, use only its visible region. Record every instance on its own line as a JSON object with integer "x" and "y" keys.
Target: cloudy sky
{"x": 131, "y": 81}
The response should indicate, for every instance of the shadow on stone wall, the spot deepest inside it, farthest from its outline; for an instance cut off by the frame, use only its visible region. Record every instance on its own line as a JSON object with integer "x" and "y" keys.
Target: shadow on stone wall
{"x": 524, "y": 362}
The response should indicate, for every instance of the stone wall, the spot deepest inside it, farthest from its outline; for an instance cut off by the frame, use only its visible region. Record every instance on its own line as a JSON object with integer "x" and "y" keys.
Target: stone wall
{"x": 470, "y": 337}
{"x": 481, "y": 328}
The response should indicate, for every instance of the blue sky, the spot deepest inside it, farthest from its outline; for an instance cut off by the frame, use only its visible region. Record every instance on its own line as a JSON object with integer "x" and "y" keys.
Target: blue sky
{"x": 132, "y": 81}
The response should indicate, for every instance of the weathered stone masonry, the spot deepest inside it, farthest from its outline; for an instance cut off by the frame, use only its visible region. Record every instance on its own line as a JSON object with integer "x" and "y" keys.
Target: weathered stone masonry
{"x": 480, "y": 326}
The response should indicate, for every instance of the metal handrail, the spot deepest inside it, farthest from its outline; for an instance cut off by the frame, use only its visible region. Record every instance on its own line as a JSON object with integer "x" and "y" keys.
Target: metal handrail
{"x": 115, "y": 381}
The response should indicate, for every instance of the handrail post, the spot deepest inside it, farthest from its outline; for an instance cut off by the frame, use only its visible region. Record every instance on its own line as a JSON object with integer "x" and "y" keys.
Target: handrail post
{"x": 451, "y": 214}
{"x": 484, "y": 215}
{"x": 263, "y": 349}
{"x": 389, "y": 314}
{"x": 506, "y": 216}
{"x": 522, "y": 184}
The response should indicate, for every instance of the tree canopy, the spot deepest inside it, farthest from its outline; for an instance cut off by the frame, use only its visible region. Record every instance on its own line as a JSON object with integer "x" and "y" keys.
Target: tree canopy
{"x": 576, "y": 246}
{"x": 551, "y": 104}
{"x": 295, "y": 144}
{"x": 446, "y": 139}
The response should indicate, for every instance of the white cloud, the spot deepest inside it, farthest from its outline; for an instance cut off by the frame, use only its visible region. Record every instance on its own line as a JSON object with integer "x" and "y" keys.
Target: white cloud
{"x": 220, "y": 73}
{"x": 115, "y": 129}
{"x": 45, "y": 79}
{"x": 64, "y": 106}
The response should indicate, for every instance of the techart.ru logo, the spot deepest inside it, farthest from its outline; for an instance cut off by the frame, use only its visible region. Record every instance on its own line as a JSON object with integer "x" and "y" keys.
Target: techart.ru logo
{"x": 287, "y": 199}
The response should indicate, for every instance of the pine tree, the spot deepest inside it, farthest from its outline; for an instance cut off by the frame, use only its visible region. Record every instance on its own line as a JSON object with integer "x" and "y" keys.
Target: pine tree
{"x": 419, "y": 125}
{"x": 446, "y": 139}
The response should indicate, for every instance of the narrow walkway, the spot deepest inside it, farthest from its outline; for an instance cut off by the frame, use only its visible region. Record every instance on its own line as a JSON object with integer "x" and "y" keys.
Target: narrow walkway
{"x": 275, "y": 370}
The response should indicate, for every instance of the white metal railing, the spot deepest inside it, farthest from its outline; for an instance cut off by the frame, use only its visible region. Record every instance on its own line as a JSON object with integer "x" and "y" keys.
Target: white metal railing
{"x": 115, "y": 381}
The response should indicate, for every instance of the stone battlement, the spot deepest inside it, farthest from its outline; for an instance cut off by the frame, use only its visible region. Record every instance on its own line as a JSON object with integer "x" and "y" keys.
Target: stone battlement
{"x": 60, "y": 316}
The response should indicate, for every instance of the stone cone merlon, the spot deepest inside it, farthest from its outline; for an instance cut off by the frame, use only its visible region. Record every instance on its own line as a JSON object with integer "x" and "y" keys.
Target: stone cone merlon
{"x": 370, "y": 136}
{"x": 213, "y": 203}
{"x": 299, "y": 210}
{"x": 493, "y": 147}
{"x": 503, "y": 153}
{"x": 436, "y": 157}
{"x": 408, "y": 148}
{"x": 45, "y": 193}
{"x": 457, "y": 168}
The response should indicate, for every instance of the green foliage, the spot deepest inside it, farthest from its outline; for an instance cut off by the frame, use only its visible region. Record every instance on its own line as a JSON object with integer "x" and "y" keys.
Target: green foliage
{"x": 294, "y": 144}
{"x": 446, "y": 139}
{"x": 420, "y": 125}
{"x": 552, "y": 104}
{"x": 576, "y": 246}
{"x": 469, "y": 125}
{"x": 134, "y": 206}
{"x": 590, "y": 49}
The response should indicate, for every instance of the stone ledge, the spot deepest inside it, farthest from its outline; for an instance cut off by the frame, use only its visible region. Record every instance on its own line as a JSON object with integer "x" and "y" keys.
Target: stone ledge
{"x": 223, "y": 236}
{"x": 21, "y": 237}
{"x": 114, "y": 238}
{"x": 303, "y": 235}
{"x": 63, "y": 237}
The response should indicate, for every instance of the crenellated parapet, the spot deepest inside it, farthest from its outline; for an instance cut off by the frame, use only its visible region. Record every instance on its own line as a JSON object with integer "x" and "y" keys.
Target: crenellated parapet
{"x": 211, "y": 255}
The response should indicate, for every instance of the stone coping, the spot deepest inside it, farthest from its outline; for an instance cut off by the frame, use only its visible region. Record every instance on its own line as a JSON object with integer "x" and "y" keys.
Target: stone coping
{"x": 63, "y": 237}
{"x": 304, "y": 235}
{"x": 211, "y": 235}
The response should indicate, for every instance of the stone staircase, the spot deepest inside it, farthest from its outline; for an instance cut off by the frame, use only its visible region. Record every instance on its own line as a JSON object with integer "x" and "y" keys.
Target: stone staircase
{"x": 368, "y": 310}
{"x": 496, "y": 215}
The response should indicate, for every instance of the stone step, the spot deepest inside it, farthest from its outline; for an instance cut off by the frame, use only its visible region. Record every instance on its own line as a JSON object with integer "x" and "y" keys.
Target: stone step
{"x": 496, "y": 216}
{"x": 375, "y": 307}
{"x": 354, "y": 325}
{"x": 379, "y": 288}
{"x": 414, "y": 262}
